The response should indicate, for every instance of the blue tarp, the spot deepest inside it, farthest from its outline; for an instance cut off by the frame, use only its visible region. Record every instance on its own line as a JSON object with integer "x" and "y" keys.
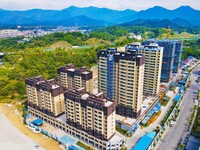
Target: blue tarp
{"x": 178, "y": 85}
{"x": 182, "y": 82}
{"x": 177, "y": 98}
{"x": 27, "y": 116}
{"x": 154, "y": 110}
{"x": 145, "y": 141}
{"x": 181, "y": 89}
{"x": 37, "y": 122}
{"x": 190, "y": 57}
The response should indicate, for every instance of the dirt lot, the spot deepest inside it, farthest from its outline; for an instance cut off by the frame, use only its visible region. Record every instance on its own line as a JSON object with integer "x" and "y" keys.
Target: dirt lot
{"x": 15, "y": 118}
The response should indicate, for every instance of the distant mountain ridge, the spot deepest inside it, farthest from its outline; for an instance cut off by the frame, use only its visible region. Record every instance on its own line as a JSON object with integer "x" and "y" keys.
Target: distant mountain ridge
{"x": 154, "y": 23}
{"x": 157, "y": 12}
{"x": 93, "y": 16}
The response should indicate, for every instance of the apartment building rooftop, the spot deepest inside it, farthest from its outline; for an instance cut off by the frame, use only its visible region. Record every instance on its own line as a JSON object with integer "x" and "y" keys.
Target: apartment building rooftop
{"x": 85, "y": 72}
{"x": 134, "y": 44}
{"x": 70, "y": 68}
{"x": 95, "y": 100}
{"x": 48, "y": 85}
{"x": 127, "y": 54}
{"x": 125, "y": 120}
{"x": 39, "y": 80}
{"x": 55, "y": 86}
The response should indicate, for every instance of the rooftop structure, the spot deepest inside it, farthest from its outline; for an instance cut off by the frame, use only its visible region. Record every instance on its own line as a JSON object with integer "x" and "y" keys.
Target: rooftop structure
{"x": 145, "y": 141}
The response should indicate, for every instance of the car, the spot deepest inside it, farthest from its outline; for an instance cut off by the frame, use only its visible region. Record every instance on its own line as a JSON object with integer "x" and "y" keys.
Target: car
{"x": 37, "y": 146}
{"x": 171, "y": 124}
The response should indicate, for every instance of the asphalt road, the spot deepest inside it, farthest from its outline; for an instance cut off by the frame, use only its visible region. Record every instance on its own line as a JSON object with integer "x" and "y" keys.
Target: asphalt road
{"x": 179, "y": 130}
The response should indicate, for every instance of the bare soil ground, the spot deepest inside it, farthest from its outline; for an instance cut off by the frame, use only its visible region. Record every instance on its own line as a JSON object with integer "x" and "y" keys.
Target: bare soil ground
{"x": 16, "y": 119}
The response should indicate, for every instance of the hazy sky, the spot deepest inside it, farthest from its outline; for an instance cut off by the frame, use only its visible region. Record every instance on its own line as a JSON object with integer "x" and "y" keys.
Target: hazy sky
{"x": 113, "y": 4}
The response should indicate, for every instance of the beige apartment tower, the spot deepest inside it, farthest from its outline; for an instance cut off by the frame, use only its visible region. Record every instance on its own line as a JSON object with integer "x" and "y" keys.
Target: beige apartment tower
{"x": 89, "y": 118}
{"x": 93, "y": 114}
{"x": 45, "y": 95}
{"x": 72, "y": 78}
{"x": 121, "y": 76}
{"x": 153, "y": 65}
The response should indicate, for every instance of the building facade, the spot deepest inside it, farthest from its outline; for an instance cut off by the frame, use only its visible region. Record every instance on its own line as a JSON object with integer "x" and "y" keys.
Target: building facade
{"x": 153, "y": 63}
{"x": 171, "y": 56}
{"x": 89, "y": 118}
{"x": 168, "y": 59}
{"x": 93, "y": 114}
{"x": 106, "y": 72}
{"x": 45, "y": 95}
{"x": 72, "y": 78}
{"x": 178, "y": 52}
{"x": 121, "y": 77}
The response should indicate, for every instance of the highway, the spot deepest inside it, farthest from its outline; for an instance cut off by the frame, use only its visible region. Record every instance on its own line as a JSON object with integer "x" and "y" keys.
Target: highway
{"x": 179, "y": 130}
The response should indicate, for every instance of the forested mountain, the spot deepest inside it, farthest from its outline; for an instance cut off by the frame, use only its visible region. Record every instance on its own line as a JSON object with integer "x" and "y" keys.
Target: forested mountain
{"x": 155, "y": 23}
{"x": 157, "y": 12}
{"x": 93, "y": 16}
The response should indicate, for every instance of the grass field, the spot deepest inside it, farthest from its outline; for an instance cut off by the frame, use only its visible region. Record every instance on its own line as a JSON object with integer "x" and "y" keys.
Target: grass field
{"x": 60, "y": 44}
{"x": 183, "y": 35}
{"x": 95, "y": 41}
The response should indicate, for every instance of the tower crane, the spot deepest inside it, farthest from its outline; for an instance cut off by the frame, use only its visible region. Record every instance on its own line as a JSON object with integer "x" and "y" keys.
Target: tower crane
{"x": 168, "y": 31}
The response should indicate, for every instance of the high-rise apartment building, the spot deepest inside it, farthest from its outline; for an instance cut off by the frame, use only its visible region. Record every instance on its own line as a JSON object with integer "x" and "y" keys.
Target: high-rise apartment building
{"x": 121, "y": 76}
{"x": 89, "y": 118}
{"x": 168, "y": 59}
{"x": 72, "y": 78}
{"x": 45, "y": 95}
{"x": 171, "y": 56}
{"x": 106, "y": 72}
{"x": 93, "y": 114}
{"x": 153, "y": 63}
{"x": 177, "y": 59}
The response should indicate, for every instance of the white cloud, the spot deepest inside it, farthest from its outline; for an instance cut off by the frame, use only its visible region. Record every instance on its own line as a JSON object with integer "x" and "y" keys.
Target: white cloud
{"x": 113, "y": 4}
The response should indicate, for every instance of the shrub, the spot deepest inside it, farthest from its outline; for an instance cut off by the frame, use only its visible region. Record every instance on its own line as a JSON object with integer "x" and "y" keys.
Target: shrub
{"x": 84, "y": 146}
